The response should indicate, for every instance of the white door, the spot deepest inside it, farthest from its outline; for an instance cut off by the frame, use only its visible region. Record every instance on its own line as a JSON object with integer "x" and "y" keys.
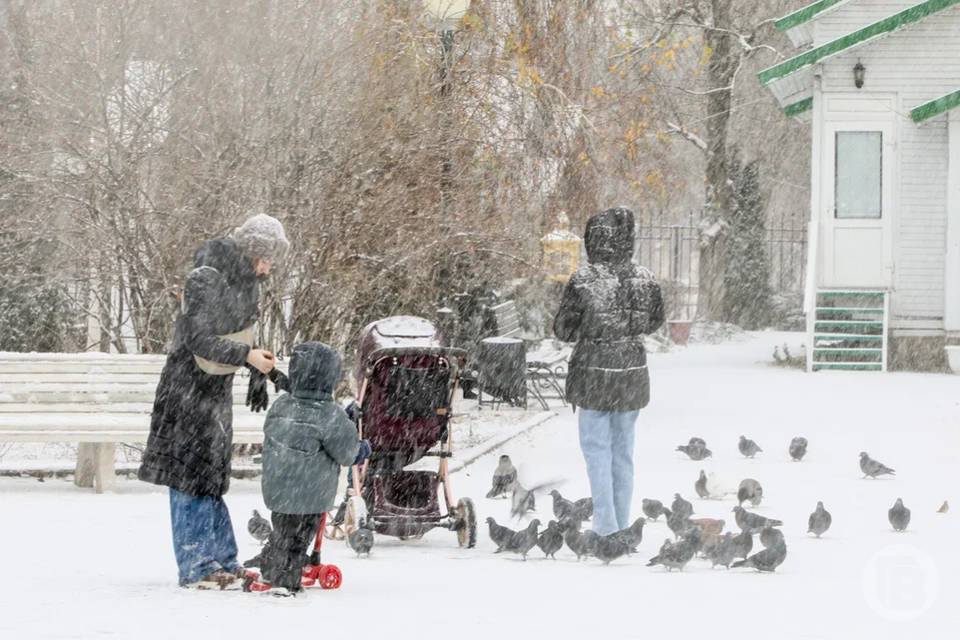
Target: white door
{"x": 858, "y": 209}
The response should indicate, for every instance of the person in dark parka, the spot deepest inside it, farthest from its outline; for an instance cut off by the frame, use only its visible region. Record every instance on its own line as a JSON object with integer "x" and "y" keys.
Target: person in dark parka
{"x": 608, "y": 306}
{"x": 307, "y": 438}
{"x": 191, "y": 427}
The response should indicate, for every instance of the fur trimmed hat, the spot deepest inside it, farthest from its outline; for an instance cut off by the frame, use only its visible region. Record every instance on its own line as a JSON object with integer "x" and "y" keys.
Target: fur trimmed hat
{"x": 262, "y": 236}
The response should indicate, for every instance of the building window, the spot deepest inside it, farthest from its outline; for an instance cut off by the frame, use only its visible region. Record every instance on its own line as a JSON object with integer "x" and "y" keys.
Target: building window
{"x": 858, "y": 178}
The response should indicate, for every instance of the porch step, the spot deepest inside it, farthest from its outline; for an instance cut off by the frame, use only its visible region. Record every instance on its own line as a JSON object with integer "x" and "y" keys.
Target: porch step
{"x": 849, "y": 330}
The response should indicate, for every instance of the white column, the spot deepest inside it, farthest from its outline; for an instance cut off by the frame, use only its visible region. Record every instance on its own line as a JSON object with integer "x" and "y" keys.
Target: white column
{"x": 951, "y": 314}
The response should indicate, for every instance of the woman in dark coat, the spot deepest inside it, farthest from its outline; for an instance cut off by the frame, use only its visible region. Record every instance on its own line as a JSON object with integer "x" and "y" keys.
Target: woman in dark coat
{"x": 191, "y": 427}
{"x": 607, "y": 308}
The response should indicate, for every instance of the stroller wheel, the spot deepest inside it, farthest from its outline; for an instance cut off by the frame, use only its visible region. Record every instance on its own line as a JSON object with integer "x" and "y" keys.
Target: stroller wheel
{"x": 466, "y": 523}
{"x": 330, "y": 577}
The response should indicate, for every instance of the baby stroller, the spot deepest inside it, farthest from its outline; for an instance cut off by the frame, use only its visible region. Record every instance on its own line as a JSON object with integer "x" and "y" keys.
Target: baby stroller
{"x": 406, "y": 379}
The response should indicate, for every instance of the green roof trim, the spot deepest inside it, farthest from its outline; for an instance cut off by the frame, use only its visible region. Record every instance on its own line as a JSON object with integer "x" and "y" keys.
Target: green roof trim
{"x": 887, "y": 25}
{"x": 804, "y": 14}
{"x": 796, "y": 108}
{"x": 933, "y": 108}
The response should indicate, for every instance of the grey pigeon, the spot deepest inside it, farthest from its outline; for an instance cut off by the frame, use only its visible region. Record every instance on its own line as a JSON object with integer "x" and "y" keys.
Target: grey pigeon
{"x": 583, "y": 509}
{"x": 700, "y": 486}
{"x": 503, "y": 477}
{"x": 653, "y": 509}
{"x": 632, "y": 535}
{"x": 766, "y": 560}
{"x": 499, "y": 534}
{"x": 361, "y": 540}
{"x": 259, "y": 527}
{"x": 750, "y": 490}
{"x": 748, "y": 447}
{"x": 697, "y": 442}
{"x": 675, "y": 555}
{"x": 681, "y": 506}
{"x": 677, "y": 522}
{"x": 723, "y": 552}
{"x": 798, "y": 448}
{"x": 753, "y": 522}
{"x": 820, "y": 521}
{"x": 583, "y": 544}
{"x": 770, "y": 537}
{"x": 522, "y": 500}
{"x": 611, "y": 547}
{"x": 561, "y": 506}
{"x": 742, "y": 544}
{"x": 695, "y": 451}
{"x": 551, "y": 540}
{"x": 899, "y": 516}
{"x": 524, "y": 540}
{"x": 873, "y": 468}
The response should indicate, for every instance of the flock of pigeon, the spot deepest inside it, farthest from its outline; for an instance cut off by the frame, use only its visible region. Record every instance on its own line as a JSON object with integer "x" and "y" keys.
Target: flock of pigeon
{"x": 692, "y": 536}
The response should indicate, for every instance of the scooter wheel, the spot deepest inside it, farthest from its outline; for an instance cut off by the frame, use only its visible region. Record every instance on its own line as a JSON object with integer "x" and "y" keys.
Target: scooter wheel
{"x": 330, "y": 577}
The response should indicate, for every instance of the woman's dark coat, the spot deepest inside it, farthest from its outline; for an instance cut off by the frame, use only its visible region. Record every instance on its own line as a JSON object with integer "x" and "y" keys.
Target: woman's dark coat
{"x": 607, "y": 307}
{"x": 307, "y": 437}
{"x": 191, "y": 428}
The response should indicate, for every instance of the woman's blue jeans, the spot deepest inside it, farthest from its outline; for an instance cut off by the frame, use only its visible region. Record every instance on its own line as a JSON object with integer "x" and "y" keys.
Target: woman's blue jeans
{"x": 203, "y": 539}
{"x": 606, "y": 439}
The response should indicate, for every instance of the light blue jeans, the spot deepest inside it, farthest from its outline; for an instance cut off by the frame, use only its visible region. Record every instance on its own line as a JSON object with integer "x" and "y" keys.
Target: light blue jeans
{"x": 203, "y": 539}
{"x": 606, "y": 439}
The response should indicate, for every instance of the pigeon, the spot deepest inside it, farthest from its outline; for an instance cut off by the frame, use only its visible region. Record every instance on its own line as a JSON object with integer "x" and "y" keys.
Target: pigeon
{"x": 551, "y": 540}
{"x": 522, "y": 500}
{"x": 899, "y": 516}
{"x": 798, "y": 448}
{"x": 561, "y": 506}
{"x": 873, "y": 468}
{"x": 677, "y": 522}
{"x": 361, "y": 539}
{"x": 611, "y": 547}
{"x": 583, "y": 544}
{"x": 259, "y": 527}
{"x": 748, "y": 447}
{"x": 700, "y": 486}
{"x": 753, "y": 522}
{"x": 503, "y": 477}
{"x": 708, "y": 526}
{"x": 750, "y": 490}
{"x": 697, "y": 442}
{"x": 653, "y": 509}
{"x": 770, "y": 537}
{"x": 675, "y": 555}
{"x": 499, "y": 534}
{"x": 723, "y": 552}
{"x": 944, "y": 507}
{"x": 681, "y": 506}
{"x": 633, "y": 534}
{"x": 583, "y": 509}
{"x": 742, "y": 544}
{"x": 766, "y": 560}
{"x": 524, "y": 540}
{"x": 695, "y": 451}
{"x": 820, "y": 521}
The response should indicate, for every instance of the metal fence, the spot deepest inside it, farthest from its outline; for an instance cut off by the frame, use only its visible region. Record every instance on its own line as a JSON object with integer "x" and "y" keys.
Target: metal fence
{"x": 671, "y": 252}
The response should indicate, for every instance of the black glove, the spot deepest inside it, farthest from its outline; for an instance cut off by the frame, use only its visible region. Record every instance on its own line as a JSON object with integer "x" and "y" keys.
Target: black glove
{"x": 257, "y": 397}
{"x": 280, "y": 380}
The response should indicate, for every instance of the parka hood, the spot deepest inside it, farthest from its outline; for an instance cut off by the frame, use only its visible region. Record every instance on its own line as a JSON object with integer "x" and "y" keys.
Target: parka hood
{"x": 314, "y": 371}
{"x": 609, "y": 236}
{"x": 224, "y": 255}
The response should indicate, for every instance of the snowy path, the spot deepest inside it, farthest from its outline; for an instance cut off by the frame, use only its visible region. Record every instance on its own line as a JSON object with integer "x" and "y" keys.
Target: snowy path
{"x": 81, "y": 565}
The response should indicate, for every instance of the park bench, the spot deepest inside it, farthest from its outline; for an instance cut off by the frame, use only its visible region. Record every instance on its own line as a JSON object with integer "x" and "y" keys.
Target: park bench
{"x": 96, "y": 400}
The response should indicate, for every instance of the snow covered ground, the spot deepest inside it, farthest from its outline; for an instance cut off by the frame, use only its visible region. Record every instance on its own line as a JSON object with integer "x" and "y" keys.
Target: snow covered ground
{"x": 80, "y": 565}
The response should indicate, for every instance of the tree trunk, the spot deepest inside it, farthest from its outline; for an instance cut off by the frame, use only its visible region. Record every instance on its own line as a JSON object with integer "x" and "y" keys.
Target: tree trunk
{"x": 719, "y": 194}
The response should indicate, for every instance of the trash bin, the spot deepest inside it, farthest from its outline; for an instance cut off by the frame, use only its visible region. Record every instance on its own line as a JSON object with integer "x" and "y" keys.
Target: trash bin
{"x": 501, "y": 364}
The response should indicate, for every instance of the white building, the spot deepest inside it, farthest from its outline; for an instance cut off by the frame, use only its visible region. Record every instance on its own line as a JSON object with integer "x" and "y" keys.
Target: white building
{"x": 879, "y": 80}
